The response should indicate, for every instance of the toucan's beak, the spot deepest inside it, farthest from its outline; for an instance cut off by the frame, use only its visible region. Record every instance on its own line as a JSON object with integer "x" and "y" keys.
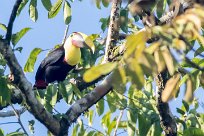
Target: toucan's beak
{"x": 88, "y": 42}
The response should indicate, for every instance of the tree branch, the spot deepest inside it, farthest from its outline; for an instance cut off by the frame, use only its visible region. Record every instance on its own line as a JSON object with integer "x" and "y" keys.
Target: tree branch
{"x": 167, "y": 120}
{"x": 11, "y": 20}
{"x": 113, "y": 29}
{"x": 118, "y": 121}
{"x": 11, "y": 113}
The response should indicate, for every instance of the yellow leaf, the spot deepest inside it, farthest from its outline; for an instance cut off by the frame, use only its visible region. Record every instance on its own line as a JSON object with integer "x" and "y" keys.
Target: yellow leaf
{"x": 135, "y": 72}
{"x": 97, "y": 71}
{"x": 169, "y": 60}
{"x": 148, "y": 64}
{"x": 171, "y": 88}
{"x": 134, "y": 41}
{"x": 153, "y": 47}
{"x": 159, "y": 60}
{"x": 189, "y": 91}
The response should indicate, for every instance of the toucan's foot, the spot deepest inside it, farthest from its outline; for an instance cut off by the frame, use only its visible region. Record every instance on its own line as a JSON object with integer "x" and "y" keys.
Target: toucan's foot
{"x": 40, "y": 84}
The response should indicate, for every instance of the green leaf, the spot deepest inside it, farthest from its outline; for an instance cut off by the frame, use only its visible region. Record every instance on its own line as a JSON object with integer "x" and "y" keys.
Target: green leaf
{"x": 98, "y": 4}
{"x": 111, "y": 127}
{"x": 144, "y": 125}
{"x": 124, "y": 20}
{"x": 105, "y": 121}
{"x": 29, "y": 66}
{"x": 33, "y": 12}
{"x": 131, "y": 124}
{"x": 186, "y": 106}
{"x": 91, "y": 113}
{"x": 17, "y": 36}
{"x": 105, "y": 3}
{"x": 50, "y": 97}
{"x": 5, "y": 94}
{"x": 105, "y": 22}
{"x": 22, "y": 5}
{"x": 16, "y": 134}
{"x": 180, "y": 111}
{"x": 76, "y": 91}
{"x": 1, "y": 132}
{"x": 90, "y": 133}
{"x": 199, "y": 51}
{"x": 96, "y": 71}
{"x": 111, "y": 99}
{"x": 100, "y": 107}
{"x": 193, "y": 132}
{"x": 66, "y": 92}
{"x": 47, "y": 4}
{"x": 55, "y": 9}
{"x": 67, "y": 13}
{"x": 3, "y": 27}
{"x": 75, "y": 129}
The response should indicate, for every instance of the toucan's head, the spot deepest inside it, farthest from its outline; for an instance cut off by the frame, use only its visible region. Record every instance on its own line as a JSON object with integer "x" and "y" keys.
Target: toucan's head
{"x": 80, "y": 40}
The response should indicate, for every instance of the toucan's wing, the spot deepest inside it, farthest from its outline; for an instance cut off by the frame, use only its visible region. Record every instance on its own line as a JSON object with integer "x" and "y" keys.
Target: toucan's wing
{"x": 53, "y": 57}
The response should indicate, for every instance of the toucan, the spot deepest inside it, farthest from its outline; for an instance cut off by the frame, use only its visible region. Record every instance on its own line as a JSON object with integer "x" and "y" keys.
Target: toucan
{"x": 61, "y": 60}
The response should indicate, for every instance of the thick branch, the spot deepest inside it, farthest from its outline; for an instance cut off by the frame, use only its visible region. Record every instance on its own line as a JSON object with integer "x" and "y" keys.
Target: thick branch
{"x": 11, "y": 20}
{"x": 168, "y": 122}
{"x": 113, "y": 29}
{"x": 82, "y": 105}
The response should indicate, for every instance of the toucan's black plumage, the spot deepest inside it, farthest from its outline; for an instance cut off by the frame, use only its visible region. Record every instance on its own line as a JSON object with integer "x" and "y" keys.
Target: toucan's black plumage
{"x": 52, "y": 68}
{"x": 60, "y": 61}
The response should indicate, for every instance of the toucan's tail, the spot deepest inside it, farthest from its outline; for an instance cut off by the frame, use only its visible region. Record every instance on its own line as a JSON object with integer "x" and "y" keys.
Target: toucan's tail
{"x": 40, "y": 82}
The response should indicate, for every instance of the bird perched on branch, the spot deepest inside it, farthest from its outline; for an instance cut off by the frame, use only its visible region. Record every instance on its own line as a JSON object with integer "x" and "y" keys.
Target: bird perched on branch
{"x": 60, "y": 61}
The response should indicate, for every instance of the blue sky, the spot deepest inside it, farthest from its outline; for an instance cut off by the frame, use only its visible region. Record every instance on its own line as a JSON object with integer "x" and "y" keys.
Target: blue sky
{"x": 46, "y": 33}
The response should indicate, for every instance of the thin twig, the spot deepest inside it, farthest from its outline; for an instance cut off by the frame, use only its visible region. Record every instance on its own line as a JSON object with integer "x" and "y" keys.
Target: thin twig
{"x": 12, "y": 113}
{"x": 19, "y": 119}
{"x": 8, "y": 123}
{"x": 118, "y": 121}
{"x": 11, "y": 20}
{"x": 65, "y": 34}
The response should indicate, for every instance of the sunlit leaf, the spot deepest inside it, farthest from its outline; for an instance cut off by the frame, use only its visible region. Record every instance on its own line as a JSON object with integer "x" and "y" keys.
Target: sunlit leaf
{"x": 148, "y": 64}
{"x": 55, "y": 9}
{"x": 3, "y": 27}
{"x": 134, "y": 71}
{"x": 171, "y": 88}
{"x": 29, "y": 66}
{"x": 1, "y": 132}
{"x": 90, "y": 133}
{"x": 159, "y": 60}
{"x": 134, "y": 41}
{"x": 186, "y": 105}
{"x": 22, "y": 5}
{"x": 189, "y": 90}
{"x": 16, "y": 134}
{"x": 47, "y": 4}
{"x": 66, "y": 91}
{"x": 91, "y": 115}
{"x": 153, "y": 47}
{"x": 33, "y": 10}
{"x": 105, "y": 121}
{"x": 75, "y": 129}
{"x": 111, "y": 127}
{"x": 100, "y": 107}
{"x": 97, "y": 71}
{"x": 169, "y": 60}
{"x": 67, "y": 13}
{"x": 17, "y": 36}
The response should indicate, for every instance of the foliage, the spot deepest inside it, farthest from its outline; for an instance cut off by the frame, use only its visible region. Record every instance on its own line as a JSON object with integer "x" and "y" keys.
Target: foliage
{"x": 133, "y": 72}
